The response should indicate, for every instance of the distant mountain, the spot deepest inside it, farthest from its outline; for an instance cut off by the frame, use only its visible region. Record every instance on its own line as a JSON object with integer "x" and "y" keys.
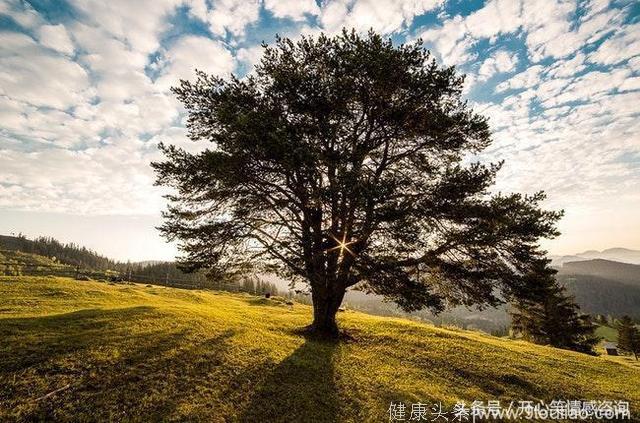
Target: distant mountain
{"x": 558, "y": 261}
{"x": 603, "y": 286}
{"x": 623, "y": 255}
{"x": 597, "y": 295}
{"x": 607, "y": 269}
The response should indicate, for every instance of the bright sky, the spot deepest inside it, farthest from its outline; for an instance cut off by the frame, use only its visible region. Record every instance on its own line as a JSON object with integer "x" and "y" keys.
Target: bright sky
{"x": 84, "y": 101}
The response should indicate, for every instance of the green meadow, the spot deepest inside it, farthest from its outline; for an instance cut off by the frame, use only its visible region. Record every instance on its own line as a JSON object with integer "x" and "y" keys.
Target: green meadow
{"x": 94, "y": 351}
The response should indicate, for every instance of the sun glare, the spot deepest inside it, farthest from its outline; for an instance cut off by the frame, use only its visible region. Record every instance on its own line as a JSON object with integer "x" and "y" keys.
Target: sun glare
{"x": 343, "y": 245}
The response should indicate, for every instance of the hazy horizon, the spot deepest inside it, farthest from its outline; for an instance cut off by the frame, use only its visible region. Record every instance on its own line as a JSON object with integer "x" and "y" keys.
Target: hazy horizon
{"x": 135, "y": 238}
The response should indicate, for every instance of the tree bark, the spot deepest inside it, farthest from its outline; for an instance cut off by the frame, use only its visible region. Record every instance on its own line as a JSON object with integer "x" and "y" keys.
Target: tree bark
{"x": 325, "y": 307}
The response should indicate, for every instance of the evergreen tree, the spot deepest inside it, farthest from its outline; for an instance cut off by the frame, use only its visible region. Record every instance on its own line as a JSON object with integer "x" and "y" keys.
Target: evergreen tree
{"x": 342, "y": 161}
{"x": 545, "y": 314}
{"x": 251, "y": 285}
{"x": 628, "y": 336}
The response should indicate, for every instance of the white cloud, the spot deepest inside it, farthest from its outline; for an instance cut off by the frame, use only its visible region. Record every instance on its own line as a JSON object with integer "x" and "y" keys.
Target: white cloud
{"x": 549, "y": 27}
{"x": 634, "y": 64}
{"x": 115, "y": 180}
{"x": 34, "y": 75}
{"x": 453, "y": 39}
{"x": 595, "y": 6}
{"x": 21, "y": 12}
{"x": 294, "y": 9}
{"x": 544, "y": 21}
{"x": 450, "y": 41}
{"x": 384, "y": 17}
{"x": 191, "y": 53}
{"x": 624, "y": 45}
{"x": 496, "y": 17}
{"x": 55, "y": 37}
{"x": 630, "y": 84}
{"x": 232, "y": 16}
{"x": 525, "y": 79}
{"x": 500, "y": 62}
{"x": 566, "y": 68}
{"x": 136, "y": 23}
{"x": 556, "y": 37}
{"x": 250, "y": 55}
{"x": 591, "y": 86}
{"x": 82, "y": 120}
{"x": 78, "y": 101}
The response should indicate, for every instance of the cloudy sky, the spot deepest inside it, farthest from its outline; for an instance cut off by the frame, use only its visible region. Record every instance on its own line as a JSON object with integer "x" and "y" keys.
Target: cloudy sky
{"x": 84, "y": 101}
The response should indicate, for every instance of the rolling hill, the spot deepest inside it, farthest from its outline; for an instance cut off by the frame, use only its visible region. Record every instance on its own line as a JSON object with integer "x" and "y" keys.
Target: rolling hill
{"x": 92, "y": 351}
{"x": 628, "y": 274}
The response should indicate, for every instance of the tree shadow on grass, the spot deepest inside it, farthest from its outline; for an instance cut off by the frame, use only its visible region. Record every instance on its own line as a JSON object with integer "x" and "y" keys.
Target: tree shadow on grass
{"x": 31, "y": 341}
{"x": 301, "y": 388}
{"x": 120, "y": 364}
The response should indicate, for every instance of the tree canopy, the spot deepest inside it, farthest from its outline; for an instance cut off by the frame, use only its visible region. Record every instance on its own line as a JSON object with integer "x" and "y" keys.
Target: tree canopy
{"x": 345, "y": 161}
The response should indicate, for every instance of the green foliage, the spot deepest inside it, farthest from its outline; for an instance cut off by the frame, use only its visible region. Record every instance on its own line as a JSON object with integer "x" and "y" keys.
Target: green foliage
{"x": 544, "y": 314}
{"x": 341, "y": 162}
{"x": 134, "y": 353}
{"x": 628, "y": 336}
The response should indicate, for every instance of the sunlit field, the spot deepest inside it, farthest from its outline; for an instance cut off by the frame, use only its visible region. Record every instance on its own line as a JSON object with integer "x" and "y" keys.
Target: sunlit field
{"x": 143, "y": 353}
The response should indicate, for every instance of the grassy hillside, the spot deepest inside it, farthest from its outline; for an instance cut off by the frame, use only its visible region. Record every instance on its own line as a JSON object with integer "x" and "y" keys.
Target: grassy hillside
{"x": 48, "y": 256}
{"x": 18, "y": 258}
{"x": 607, "y": 333}
{"x": 147, "y": 353}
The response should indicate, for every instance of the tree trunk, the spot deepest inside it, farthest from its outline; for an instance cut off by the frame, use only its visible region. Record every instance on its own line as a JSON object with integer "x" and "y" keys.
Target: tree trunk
{"x": 325, "y": 307}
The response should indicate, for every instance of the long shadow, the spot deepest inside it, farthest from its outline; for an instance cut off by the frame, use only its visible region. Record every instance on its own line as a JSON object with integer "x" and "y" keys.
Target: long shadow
{"x": 122, "y": 364}
{"x": 34, "y": 340}
{"x": 162, "y": 381}
{"x": 301, "y": 388}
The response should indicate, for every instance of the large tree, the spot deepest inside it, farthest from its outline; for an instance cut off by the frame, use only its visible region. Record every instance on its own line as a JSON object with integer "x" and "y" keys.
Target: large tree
{"x": 347, "y": 160}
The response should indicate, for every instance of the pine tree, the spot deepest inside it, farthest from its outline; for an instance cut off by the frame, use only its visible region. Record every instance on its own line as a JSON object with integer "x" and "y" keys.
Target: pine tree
{"x": 628, "y": 336}
{"x": 343, "y": 161}
{"x": 545, "y": 314}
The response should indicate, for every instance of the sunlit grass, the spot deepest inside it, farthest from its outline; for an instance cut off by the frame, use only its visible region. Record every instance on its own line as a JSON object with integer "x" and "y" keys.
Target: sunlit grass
{"x": 132, "y": 352}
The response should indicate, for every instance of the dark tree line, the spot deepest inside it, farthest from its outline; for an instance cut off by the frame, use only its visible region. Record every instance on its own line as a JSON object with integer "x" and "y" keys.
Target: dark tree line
{"x": 69, "y": 253}
{"x": 87, "y": 260}
{"x": 598, "y": 295}
{"x": 255, "y": 285}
